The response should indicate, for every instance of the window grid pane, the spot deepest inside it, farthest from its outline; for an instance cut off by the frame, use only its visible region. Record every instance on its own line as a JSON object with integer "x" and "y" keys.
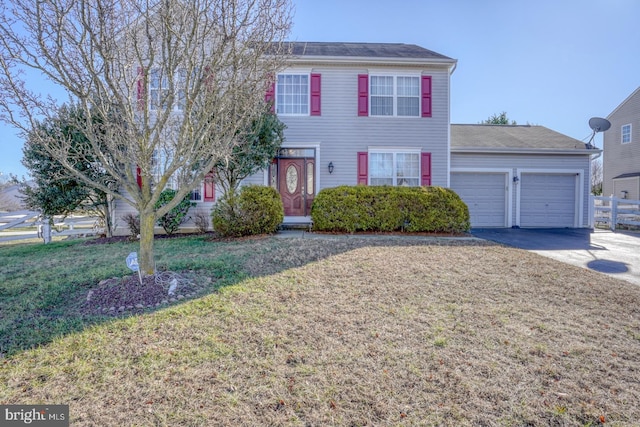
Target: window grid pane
{"x": 381, "y": 96}
{"x": 381, "y": 168}
{"x": 292, "y": 94}
{"x": 626, "y": 134}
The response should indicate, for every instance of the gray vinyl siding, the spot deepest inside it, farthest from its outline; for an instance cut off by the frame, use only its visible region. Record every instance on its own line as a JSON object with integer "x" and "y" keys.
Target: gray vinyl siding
{"x": 340, "y": 133}
{"x": 621, "y": 158}
{"x": 123, "y": 208}
{"x": 515, "y": 163}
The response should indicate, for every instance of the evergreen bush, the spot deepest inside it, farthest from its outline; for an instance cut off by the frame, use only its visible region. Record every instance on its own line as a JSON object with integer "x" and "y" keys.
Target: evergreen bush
{"x": 255, "y": 210}
{"x": 384, "y": 209}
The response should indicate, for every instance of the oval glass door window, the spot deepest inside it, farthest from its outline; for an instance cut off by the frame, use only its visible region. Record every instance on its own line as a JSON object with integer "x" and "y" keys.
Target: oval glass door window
{"x": 292, "y": 179}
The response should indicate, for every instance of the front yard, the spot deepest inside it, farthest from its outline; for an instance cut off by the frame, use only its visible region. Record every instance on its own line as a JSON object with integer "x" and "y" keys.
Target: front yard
{"x": 306, "y": 332}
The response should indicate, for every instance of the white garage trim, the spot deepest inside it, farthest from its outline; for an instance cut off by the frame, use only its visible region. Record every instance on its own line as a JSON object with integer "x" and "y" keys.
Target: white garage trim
{"x": 579, "y": 190}
{"x": 508, "y": 183}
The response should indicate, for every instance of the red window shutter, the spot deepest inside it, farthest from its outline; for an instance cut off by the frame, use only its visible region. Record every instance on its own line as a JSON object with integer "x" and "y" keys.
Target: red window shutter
{"x": 270, "y": 95}
{"x": 425, "y": 169}
{"x": 315, "y": 94}
{"x": 141, "y": 88}
{"x": 426, "y": 96}
{"x": 139, "y": 176}
{"x": 363, "y": 168}
{"x": 209, "y": 188}
{"x": 363, "y": 95}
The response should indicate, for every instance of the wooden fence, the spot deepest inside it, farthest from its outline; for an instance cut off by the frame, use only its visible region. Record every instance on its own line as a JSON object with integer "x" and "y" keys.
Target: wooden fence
{"x": 614, "y": 212}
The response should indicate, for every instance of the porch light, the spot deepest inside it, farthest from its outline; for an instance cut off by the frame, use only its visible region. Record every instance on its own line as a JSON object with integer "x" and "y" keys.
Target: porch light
{"x": 330, "y": 167}
{"x": 516, "y": 179}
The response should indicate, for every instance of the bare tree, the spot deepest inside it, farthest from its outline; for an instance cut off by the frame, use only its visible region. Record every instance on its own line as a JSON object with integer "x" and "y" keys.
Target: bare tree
{"x": 162, "y": 76}
{"x": 596, "y": 176}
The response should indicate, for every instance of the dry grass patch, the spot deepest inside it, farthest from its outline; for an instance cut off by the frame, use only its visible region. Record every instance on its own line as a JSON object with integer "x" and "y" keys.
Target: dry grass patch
{"x": 380, "y": 333}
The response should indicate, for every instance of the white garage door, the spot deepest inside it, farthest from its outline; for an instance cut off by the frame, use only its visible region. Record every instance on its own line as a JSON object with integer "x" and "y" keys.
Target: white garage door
{"x": 484, "y": 194}
{"x": 547, "y": 200}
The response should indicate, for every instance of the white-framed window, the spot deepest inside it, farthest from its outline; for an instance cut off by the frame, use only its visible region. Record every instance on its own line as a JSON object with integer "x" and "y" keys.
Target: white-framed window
{"x": 394, "y": 95}
{"x": 160, "y": 86}
{"x": 394, "y": 168}
{"x": 626, "y": 134}
{"x": 292, "y": 94}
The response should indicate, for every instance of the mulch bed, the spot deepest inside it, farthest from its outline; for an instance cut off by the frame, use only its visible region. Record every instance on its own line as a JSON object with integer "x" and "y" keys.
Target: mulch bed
{"x": 127, "y": 294}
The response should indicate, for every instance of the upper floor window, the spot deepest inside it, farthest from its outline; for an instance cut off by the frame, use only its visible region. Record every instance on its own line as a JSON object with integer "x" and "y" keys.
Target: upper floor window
{"x": 296, "y": 94}
{"x": 292, "y": 94}
{"x": 394, "y": 96}
{"x": 160, "y": 86}
{"x": 626, "y": 134}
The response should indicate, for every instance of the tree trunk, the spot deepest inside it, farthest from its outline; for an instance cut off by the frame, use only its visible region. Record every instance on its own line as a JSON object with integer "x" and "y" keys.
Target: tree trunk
{"x": 145, "y": 257}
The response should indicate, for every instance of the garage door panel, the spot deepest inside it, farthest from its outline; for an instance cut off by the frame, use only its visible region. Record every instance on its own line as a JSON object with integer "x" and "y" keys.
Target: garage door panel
{"x": 484, "y": 194}
{"x": 547, "y": 200}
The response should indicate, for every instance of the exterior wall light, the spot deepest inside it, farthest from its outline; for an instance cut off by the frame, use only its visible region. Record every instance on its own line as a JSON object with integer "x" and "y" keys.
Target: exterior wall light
{"x": 330, "y": 167}
{"x": 516, "y": 179}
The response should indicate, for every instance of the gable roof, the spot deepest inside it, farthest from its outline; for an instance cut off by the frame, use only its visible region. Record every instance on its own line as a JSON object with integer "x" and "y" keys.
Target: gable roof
{"x": 366, "y": 52}
{"x": 514, "y": 138}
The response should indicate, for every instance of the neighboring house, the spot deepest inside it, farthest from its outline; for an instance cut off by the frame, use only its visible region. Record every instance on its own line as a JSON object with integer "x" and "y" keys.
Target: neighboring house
{"x": 521, "y": 176}
{"x": 621, "y": 160}
{"x": 379, "y": 114}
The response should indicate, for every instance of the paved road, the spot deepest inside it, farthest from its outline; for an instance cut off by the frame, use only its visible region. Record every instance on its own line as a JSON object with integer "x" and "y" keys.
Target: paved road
{"x": 614, "y": 253}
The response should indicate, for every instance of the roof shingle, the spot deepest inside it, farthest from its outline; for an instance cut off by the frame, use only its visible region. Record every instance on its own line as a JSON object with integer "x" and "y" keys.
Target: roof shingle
{"x": 511, "y": 137}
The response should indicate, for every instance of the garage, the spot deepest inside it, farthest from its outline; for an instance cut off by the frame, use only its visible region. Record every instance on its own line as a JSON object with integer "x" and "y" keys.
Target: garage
{"x": 547, "y": 200}
{"x": 485, "y": 193}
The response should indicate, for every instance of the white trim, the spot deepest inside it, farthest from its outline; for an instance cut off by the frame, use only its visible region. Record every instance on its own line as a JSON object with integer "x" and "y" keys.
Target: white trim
{"x": 385, "y": 149}
{"x": 578, "y": 220}
{"x": 508, "y": 187}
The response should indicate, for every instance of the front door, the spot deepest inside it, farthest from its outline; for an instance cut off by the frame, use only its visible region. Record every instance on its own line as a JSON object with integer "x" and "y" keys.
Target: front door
{"x": 295, "y": 181}
{"x": 292, "y": 186}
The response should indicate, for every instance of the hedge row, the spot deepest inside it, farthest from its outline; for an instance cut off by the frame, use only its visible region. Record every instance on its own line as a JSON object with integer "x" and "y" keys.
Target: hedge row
{"x": 385, "y": 208}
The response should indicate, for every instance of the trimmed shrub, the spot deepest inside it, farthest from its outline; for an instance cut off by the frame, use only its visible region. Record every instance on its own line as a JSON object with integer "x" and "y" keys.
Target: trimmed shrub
{"x": 256, "y": 210}
{"x": 172, "y": 220}
{"x": 384, "y": 208}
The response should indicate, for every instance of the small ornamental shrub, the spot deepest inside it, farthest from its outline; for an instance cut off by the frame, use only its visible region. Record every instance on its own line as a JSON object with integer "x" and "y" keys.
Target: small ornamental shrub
{"x": 133, "y": 222}
{"x": 256, "y": 210}
{"x": 172, "y": 220}
{"x": 201, "y": 220}
{"x": 385, "y": 208}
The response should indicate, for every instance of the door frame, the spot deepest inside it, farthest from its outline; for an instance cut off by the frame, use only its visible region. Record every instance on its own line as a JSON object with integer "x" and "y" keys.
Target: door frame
{"x": 316, "y": 177}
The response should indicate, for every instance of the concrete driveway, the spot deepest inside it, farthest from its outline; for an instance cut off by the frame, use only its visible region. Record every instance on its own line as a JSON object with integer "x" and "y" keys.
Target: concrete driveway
{"x": 614, "y": 253}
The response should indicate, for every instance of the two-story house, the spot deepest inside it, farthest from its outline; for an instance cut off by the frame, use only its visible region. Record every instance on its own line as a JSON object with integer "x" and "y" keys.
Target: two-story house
{"x": 379, "y": 114}
{"x": 621, "y": 159}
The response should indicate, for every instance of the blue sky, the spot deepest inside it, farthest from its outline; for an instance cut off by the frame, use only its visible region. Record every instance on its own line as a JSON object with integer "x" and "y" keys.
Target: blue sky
{"x": 554, "y": 63}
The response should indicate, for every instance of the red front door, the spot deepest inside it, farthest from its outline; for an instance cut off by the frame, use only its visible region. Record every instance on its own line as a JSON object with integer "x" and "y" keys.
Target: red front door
{"x": 297, "y": 185}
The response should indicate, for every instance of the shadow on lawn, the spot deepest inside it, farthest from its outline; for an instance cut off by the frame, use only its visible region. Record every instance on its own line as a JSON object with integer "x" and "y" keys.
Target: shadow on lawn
{"x": 210, "y": 265}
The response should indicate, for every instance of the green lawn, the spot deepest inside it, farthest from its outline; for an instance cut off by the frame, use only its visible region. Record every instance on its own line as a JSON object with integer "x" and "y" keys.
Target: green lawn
{"x": 344, "y": 331}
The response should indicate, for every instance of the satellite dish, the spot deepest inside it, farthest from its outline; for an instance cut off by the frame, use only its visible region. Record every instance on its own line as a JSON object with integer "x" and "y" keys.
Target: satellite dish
{"x": 598, "y": 124}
